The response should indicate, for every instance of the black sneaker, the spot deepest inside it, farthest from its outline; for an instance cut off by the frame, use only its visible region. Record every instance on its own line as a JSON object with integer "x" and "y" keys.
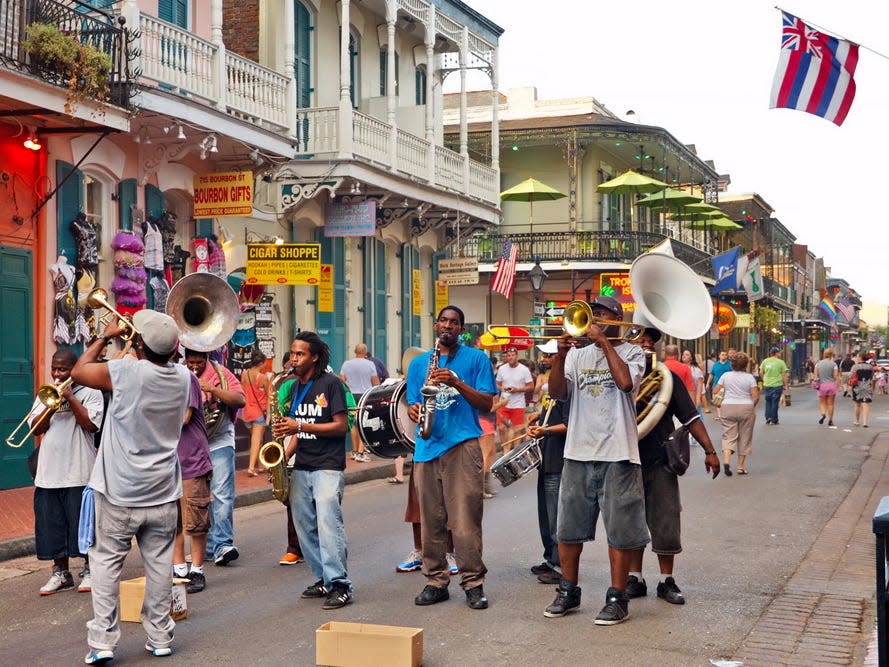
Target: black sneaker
{"x": 552, "y": 577}
{"x": 616, "y": 609}
{"x": 339, "y": 596}
{"x": 316, "y": 590}
{"x": 226, "y": 555}
{"x": 431, "y": 595}
{"x": 636, "y": 588}
{"x": 728, "y": 469}
{"x": 669, "y": 591}
{"x": 475, "y": 598}
{"x": 540, "y": 569}
{"x": 567, "y": 598}
{"x": 196, "y": 582}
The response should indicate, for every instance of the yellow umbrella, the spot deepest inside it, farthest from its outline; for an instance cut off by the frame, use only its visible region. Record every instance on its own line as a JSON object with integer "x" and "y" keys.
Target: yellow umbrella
{"x": 631, "y": 182}
{"x": 531, "y": 190}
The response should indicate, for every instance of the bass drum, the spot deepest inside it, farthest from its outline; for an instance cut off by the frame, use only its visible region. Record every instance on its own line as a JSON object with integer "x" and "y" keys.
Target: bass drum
{"x": 383, "y": 422}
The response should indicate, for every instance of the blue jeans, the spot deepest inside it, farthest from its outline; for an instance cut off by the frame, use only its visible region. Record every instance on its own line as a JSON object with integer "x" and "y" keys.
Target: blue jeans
{"x": 773, "y": 398}
{"x": 316, "y": 499}
{"x": 222, "y": 507}
{"x": 547, "y": 514}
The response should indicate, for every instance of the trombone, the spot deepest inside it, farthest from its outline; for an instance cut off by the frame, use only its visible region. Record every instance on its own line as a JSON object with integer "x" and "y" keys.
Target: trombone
{"x": 50, "y": 396}
{"x": 576, "y": 322}
{"x": 98, "y": 298}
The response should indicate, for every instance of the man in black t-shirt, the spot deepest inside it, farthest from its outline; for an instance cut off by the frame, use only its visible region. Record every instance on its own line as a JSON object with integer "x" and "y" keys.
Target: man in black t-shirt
{"x": 846, "y": 371}
{"x": 318, "y": 419}
{"x": 662, "y": 503}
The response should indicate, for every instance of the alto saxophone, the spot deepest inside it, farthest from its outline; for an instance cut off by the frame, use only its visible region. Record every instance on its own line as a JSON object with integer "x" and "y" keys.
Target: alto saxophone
{"x": 429, "y": 392}
{"x": 271, "y": 454}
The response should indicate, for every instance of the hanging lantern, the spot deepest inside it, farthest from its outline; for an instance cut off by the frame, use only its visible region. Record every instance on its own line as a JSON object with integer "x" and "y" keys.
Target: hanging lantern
{"x": 725, "y": 317}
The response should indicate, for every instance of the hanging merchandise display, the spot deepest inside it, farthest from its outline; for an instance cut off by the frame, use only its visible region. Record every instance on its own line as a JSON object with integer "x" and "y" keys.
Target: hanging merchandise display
{"x": 216, "y": 258}
{"x": 130, "y": 278}
{"x": 65, "y": 307}
{"x": 86, "y": 240}
{"x": 201, "y": 256}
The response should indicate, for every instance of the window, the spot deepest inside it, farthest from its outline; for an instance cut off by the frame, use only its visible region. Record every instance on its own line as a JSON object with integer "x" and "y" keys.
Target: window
{"x": 384, "y": 71}
{"x": 353, "y": 70}
{"x": 173, "y": 11}
{"x": 302, "y": 65}
{"x": 420, "y": 85}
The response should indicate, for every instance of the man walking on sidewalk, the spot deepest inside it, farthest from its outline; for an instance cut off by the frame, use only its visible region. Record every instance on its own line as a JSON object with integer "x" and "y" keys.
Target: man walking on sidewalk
{"x": 775, "y": 378}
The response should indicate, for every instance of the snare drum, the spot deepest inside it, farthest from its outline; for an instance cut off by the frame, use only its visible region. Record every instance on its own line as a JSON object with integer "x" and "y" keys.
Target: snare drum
{"x": 383, "y": 422}
{"x": 517, "y": 463}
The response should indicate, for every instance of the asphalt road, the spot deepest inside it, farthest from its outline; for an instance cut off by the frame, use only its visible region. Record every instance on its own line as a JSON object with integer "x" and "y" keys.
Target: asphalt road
{"x": 743, "y": 538}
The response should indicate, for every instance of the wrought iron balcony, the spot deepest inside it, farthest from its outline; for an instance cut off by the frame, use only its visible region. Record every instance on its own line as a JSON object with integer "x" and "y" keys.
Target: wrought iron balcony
{"x": 86, "y": 24}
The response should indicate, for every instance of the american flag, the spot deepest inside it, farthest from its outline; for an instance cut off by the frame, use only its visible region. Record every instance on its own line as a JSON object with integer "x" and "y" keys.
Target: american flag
{"x": 815, "y": 72}
{"x": 504, "y": 276}
{"x": 847, "y": 309}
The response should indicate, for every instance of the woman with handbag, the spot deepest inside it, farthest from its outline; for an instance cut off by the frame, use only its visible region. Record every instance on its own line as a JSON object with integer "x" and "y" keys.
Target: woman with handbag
{"x": 861, "y": 381}
{"x": 738, "y": 416}
{"x": 827, "y": 379}
{"x": 256, "y": 392}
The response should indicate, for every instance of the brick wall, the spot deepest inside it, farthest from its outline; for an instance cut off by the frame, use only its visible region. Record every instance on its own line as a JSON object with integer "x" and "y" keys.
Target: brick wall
{"x": 240, "y": 27}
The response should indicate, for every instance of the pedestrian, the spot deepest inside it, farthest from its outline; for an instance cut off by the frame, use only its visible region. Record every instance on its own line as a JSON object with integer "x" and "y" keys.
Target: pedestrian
{"x": 697, "y": 375}
{"x": 708, "y": 379}
{"x": 601, "y": 471}
{"x": 360, "y": 375}
{"x": 720, "y": 366}
{"x": 775, "y": 381}
{"x": 682, "y": 370}
{"x": 738, "y": 416}
{"x": 255, "y": 384}
{"x": 223, "y": 397}
{"x": 862, "y": 382}
{"x": 449, "y": 462}
{"x": 318, "y": 417}
{"x": 65, "y": 460}
{"x": 827, "y": 382}
{"x": 414, "y": 560}
{"x": 137, "y": 480}
{"x": 846, "y": 371}
{"x": 513, "y": 381}
{"x": 663, "y": 506}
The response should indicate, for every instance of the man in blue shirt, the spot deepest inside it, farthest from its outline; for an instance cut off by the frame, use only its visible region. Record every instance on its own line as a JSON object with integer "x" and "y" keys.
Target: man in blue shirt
{"x": 448, "y": 472}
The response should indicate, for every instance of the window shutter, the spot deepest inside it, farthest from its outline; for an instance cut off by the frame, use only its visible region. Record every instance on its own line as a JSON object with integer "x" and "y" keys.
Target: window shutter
{"x": 69, "y": 202}
{"x": 415, "y": 319}
{"x": 332, "y": 326}
{"x": 368, "y": 303}
{"x": 380, "y": 300}
{"x": 154, "y": 202}
{"x": 126, "y": 199}
{"x": 303, "y": 57}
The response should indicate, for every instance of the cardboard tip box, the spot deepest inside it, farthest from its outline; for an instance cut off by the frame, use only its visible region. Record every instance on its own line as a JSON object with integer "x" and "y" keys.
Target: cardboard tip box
{"x": 339, "y": 644}
{"x": 132, "y": 594}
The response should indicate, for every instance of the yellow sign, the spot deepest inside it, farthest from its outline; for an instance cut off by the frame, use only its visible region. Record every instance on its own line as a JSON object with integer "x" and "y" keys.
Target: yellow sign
{"x": 417, "y": 309}
{"x": 224, "y": 194}
{"x": 325, "y": 289}
{"x": 283, "y": 264}
{"x": 441, "y": 295}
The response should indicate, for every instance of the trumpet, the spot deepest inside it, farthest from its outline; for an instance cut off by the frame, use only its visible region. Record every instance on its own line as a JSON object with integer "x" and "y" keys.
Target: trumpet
{"x": 50, "y": 396}
{"x": 576, "y": 322}
{"x": 98, "y": 298}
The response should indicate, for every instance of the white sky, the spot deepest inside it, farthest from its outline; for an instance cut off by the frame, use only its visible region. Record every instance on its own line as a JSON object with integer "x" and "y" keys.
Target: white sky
{"x": 702, "y": 69}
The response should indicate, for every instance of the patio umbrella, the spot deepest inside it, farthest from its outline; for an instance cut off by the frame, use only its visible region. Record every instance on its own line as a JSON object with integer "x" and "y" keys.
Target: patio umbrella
{"x": 669, "y": 198}
{"x": 531, "y": 190}
{"x": 631, "y": 182}
{"x": 500, "y": 337}
{"x": 697, "y": 211}
{"x": 719, "y": 224}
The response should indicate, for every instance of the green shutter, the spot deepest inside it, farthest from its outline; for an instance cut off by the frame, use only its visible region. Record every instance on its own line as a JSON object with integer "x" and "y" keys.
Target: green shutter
{"x": 173, "y": 11}
{"x": 126, "y": 199}
{"x": 332, "y": 326}
{"x": 384, "y": 62}
{"x": 415, "y": 319}
{"x": 410, "y": 323}
{"x": 203, "y": 228}
{"x": 380, "y": 300}
{"x": 303, "y": 57}
{"x": 154, "y": 202}
{"x": 367, "y": 303}
{"x": 69, "y": 202}
{"x": 420, "y": 86}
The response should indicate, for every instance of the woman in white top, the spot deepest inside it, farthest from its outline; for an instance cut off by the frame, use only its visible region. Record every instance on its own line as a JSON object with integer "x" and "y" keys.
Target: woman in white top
{"x": 738, "y": 415}
{"x": 688, "y": 357}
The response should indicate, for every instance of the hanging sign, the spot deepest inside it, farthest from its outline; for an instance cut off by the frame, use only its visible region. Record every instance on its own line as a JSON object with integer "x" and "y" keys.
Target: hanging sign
{"x": 617, "y": 286}
{"x": 223, "y": 194}
{"x": 459, "y": 270}
{"x": 283, "y": 264}
{"x": 351, "y": 218}
{"x": 325, "y": 289}
{"x": 441, "y": 295}
{"x": 417, "y": 295}
{"x": 725, "y": 318}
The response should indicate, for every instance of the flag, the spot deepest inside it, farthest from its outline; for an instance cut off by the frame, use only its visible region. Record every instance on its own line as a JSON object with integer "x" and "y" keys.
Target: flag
{"x": 827, "y": 306}
{"x": 504, "y": 276}
{"x": 847, "y": 309}
{"x": 815, "y": 72}
{"x": 725, "y": 270}
{"x": 751, "y": 278}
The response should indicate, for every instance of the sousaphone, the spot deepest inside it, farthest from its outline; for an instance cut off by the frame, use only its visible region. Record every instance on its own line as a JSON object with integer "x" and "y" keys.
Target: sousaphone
{"x": 206, "y": 310}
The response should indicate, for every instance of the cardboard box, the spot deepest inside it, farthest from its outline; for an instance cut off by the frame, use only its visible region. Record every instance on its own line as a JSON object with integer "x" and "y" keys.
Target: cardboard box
{"x": 132, "y": 593}
{"x": 340, "y": 644}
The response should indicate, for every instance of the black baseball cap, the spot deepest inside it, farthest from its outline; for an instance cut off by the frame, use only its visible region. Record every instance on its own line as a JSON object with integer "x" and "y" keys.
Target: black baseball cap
{"x": 609, "y": 303}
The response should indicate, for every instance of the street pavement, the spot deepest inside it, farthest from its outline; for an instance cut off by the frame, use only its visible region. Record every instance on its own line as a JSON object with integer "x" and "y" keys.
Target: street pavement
{"x": 777, "y": 569}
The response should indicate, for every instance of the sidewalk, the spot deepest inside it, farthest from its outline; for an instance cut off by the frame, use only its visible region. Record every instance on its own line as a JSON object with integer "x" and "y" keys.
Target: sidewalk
{"x": 17, "y": 517}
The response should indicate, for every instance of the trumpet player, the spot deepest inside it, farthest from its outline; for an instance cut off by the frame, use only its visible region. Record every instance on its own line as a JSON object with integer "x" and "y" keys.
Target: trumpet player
{"x": 66, "y": 458}
{"x": 448, "y": 476}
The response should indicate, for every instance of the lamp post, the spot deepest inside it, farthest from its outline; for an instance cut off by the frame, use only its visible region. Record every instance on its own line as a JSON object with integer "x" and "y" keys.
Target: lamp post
{"x": 537, "y": 276}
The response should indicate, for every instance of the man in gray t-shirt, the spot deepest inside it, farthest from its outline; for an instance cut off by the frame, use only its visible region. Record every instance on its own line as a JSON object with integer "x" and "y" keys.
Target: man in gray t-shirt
{"x": 360, "y": 375}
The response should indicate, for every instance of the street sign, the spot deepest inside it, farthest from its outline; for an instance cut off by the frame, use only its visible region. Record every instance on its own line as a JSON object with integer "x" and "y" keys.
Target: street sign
{"x": 539, "y": 309}
{"x": 554, "y": 312}
{"x": 458, "y": 271}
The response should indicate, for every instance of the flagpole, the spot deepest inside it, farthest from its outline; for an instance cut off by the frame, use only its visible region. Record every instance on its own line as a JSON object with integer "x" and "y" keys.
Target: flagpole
{"x": 837, "y": 35}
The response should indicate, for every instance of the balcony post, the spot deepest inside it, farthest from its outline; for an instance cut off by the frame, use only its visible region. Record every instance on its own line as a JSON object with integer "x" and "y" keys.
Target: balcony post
{"x": 495, "y": 112}
{"x": 345, "y": 108}
{"x": 429, "y": 41}
{"x": 464, "y": 125}
{"x": 220, "y": 74}
{"x": 391, "y": 93}
{"x": 130, "y": 11}
{"x": 289, "y": 69}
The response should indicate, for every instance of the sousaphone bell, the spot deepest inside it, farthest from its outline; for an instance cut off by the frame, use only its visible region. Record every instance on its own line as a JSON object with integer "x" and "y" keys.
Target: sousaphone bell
{"x": 205, "y": 309}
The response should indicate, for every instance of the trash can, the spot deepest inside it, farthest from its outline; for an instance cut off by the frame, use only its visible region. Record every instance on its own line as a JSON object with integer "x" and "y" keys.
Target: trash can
{"x": 881, "y": 530}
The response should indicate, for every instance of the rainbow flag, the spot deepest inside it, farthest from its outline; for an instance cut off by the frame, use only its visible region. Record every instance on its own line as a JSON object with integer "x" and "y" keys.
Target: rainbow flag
{"x": 827, "y": 306}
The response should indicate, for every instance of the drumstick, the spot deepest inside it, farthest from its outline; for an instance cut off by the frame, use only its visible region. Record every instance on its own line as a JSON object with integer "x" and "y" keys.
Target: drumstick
{"x": 524, "y": 435}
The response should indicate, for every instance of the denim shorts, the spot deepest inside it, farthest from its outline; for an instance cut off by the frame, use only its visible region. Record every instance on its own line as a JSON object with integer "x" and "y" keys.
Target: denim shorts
{"x": 259, "y": 421}
{"x": 613, "y": 488}
{"x": 662, "y": 509}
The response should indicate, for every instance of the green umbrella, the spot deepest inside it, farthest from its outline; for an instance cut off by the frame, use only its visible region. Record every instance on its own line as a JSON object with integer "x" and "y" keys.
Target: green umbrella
{"x": 631, "y": 182}
{"x": 697, "y": 211}
{"x": 720, "y": 224}
{"x": 669, "y": 198}
{"x": 531, "y": 190}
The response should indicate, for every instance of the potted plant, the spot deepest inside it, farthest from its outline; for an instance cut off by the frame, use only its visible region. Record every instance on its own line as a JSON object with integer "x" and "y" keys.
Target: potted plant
{"x": 83, "y": 69}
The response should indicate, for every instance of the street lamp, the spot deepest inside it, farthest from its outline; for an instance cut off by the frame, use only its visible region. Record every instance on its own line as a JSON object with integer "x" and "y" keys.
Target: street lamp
{"x": 537, "y": 276}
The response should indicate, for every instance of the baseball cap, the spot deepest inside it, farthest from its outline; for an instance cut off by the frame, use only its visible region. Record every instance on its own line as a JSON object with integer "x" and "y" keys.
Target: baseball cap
{"x": 610, "y": 303}
{"x": 159, "y": 332}
{"x": 774, "y": 350}
{"x": 549, "y": 347}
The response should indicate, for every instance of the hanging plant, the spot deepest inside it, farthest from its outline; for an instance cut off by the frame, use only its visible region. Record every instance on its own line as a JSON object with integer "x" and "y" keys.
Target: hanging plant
{"x": 84, "y": 69}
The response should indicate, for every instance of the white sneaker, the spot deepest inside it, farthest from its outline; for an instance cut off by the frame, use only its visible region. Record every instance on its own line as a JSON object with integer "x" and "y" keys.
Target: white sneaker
{"x": 452, "y": 563}
{"x": 159, "y": 652}
{"x": 86, "y": 582}
{"x": 414, "y": 561}
{"x": 58, "y": 581}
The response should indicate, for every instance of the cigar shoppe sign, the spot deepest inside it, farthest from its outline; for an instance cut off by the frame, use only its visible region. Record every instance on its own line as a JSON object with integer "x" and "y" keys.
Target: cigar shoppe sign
{"x": 283, "y": 263}
{"x": 224, "y": 194}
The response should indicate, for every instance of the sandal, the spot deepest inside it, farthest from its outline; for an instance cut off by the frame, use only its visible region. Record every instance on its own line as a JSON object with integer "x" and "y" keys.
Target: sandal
{"x": 742, "y": 471}
{"x": 252, "y": 473}
{"x": 395, "y": 480}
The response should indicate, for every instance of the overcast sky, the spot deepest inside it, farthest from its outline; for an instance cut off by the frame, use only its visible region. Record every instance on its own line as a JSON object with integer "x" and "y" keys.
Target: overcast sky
{"x": 703, "y": 69}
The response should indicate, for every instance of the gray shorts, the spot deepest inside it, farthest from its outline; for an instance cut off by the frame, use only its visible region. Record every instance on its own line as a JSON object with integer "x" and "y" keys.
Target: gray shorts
{"x": 612, "y": 488}
{"x": 662, "y": 509}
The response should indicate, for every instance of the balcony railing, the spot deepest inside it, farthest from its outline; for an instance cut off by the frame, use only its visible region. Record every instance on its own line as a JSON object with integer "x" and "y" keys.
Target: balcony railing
{"x": 86, "y": 24}
{"x": 568, "y": 247}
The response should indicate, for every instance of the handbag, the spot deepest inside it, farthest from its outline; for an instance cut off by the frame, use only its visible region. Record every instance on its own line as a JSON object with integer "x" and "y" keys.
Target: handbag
{"x": 816, "y": 384}
{"x": 718, "y": 395}
{"x": 853, "y": 379}
{"x": 677, "y": 450}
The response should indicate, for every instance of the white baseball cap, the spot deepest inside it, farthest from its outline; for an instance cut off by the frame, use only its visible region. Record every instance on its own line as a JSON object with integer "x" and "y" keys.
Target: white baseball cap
{"x": 549, "y": 347}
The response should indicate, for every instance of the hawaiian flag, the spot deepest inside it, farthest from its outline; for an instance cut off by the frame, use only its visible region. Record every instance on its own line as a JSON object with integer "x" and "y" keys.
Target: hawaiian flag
{"x": 504, "y": 277}
{"x": 815, "y": 72}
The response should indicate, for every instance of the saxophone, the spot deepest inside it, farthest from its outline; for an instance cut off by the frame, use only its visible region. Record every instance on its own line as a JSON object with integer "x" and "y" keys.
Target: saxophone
{"x": 429, "y": 392}
{"x": 271, "y": 454}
